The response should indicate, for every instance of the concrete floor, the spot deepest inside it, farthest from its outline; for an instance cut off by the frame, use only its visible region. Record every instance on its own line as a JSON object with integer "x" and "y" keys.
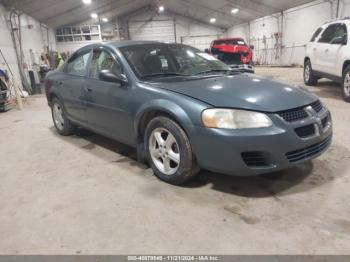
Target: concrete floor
{"x": 85, "y": 194}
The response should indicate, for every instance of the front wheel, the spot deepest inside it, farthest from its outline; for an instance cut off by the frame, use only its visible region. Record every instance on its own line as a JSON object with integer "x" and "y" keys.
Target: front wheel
{"x": 169, "y": 151}
{"x": 309, "y": 78}
{"x": 346, "y": 84}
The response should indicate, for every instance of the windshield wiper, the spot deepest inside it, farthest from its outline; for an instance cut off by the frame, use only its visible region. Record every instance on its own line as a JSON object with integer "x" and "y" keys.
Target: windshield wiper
{"x": 213, "y": 71}
{"x": 162, "y": 75}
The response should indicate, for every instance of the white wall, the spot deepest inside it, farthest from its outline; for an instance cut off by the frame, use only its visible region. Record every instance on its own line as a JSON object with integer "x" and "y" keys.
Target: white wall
{"x": 298, "y": 26}
{"x": 34, "y": 40}
{"x": 70, "y": 47}
{"x": 187, "y": 31}
{"x": 197, "y": 34}
{"x": 6, "y": 47}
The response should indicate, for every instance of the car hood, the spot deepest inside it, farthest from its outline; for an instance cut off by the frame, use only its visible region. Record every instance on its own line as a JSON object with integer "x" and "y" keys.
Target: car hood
{"x": 245, "y": 91}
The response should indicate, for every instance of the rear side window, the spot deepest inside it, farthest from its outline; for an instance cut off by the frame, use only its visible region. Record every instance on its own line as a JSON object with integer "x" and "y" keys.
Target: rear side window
{"x": 101, "y": 60}
{"x": 317, "y": 32}
{"x": 77, "y": 64}
{"x": 328, "y": 34}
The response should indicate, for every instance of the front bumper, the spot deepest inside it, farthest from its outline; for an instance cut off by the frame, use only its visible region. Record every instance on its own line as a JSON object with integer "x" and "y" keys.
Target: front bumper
{"x": 233, "y": 151}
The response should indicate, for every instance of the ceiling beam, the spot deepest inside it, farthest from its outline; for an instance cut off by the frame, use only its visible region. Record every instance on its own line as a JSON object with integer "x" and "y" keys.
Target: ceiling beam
{"x": 198, "y": 21}
{"x": 227, "y": 16}
{"x": 85, "y": 9}
{"x": 252, "y": 5}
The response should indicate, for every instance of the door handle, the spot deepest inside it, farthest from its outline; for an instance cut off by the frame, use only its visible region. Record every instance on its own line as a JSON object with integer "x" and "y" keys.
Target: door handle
{"x": 60, "y": 83}
{"x": 89, "y": 89}
{"x": 315, "y": 49}
{"x": 326, "y": 50}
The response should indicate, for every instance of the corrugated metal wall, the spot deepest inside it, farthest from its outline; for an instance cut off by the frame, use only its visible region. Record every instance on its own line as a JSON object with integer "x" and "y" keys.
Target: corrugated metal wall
{"x": 158, "y": 30}
{"x": 201, "y": 42}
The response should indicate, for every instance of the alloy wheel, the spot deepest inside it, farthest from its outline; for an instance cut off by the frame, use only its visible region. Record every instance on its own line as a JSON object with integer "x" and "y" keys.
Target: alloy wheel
{"x": 58, "y": 116}
{"x": 307, "y": 72}
{"x": 347, "y": 84}
{"x": 164, "y": 151}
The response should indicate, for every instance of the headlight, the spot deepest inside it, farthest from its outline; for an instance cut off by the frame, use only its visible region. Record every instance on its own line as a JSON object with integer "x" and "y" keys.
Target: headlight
{"x": 234, "y": 119}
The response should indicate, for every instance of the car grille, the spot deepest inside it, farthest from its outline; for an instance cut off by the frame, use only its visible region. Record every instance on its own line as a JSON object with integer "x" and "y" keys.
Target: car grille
{"x": 293, "y": 114}
{"x": 305, "y": 131}
{"x": 299, "y": 113}
{"x": 298, "y": 155}
{"x": 254, "y": 159}
{"x": 317, "y": 106}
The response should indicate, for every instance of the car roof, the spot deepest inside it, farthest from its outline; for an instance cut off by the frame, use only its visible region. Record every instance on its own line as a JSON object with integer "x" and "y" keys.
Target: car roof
{"x": 119, "y": 44}
{"x": 345, "y": 20}
{"x": 230, "y": 38}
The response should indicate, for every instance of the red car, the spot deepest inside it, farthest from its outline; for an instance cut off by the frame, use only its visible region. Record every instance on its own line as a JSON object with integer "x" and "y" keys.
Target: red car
{"x": 232, "y": 51}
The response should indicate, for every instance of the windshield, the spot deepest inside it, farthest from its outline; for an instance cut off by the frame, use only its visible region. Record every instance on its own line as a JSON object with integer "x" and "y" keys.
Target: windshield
{"x": 237, "y": 41}
{"x": 161, "y": 60}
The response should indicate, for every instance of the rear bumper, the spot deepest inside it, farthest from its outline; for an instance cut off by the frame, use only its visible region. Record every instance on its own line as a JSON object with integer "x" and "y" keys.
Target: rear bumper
{"x": 231, "y": 151}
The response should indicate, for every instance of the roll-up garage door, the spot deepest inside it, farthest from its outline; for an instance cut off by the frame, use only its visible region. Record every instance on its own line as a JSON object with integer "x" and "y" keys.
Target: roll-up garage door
{"x": 200, "y": 42}
{"x": 160, "y": 30}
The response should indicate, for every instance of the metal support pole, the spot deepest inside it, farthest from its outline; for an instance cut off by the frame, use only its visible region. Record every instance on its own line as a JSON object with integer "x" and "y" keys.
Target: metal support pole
{"x": 337, "y": 11}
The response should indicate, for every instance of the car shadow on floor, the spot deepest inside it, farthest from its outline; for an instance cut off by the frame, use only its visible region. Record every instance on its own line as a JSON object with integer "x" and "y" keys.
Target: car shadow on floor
{"x": 267, "y": 185}
{"x": 260, "y": 186}
{"x": 328, "y": 89}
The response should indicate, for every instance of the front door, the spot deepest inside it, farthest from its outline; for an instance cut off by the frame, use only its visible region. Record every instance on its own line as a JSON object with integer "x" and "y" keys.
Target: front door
{"x": 334, "y": 52}
{"x": 325, "y": 50}
{"x": 108, "y": 103}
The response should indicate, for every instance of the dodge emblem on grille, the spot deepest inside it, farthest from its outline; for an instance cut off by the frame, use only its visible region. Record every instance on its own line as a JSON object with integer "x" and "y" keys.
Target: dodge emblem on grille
{"x": 312, "y": 113}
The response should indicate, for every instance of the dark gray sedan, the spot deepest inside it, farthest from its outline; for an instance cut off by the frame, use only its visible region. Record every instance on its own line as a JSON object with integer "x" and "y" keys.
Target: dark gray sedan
{"x": 184, "y": 110}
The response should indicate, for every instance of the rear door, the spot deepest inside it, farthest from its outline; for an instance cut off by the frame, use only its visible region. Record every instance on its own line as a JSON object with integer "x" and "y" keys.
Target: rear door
{"x": 108, "y": 103}
{"x": 72, "y": 85}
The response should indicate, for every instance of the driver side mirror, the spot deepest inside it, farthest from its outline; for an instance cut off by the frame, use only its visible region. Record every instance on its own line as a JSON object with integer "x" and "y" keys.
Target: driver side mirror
{"x": 207, "y": 51}
{"x": 108, "y": 76}
{"x": 339, "y": 40}
{"x": 251, "y": 47}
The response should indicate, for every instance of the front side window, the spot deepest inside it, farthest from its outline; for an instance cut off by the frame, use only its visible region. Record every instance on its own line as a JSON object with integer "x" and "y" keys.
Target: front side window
{"x": 172, "y": 59}
{"x": 328, "y": 34}
{"x": 77, "y": 64}
{"x": 317, "y": 32}
{"x": 341, "y": 31}
{"x": 102, "y": 60}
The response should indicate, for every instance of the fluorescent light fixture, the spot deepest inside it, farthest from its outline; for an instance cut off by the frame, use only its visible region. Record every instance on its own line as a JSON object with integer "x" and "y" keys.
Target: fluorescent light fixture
{"x": 87, "y": 2}
{"x": 234, "y": 10}
{"x": 161, "y": 9}
{"x": 105, "y": 19}
{"x": 94, "y": 16}
{"x": 212, "y": 20}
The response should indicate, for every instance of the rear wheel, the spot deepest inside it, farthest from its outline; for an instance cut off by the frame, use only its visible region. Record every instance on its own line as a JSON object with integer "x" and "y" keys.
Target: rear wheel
{"x": 63, "y": 126}
{"x": 309, "y": 78}
{"x": 346, "y": 84}
{"x": 169, "y": 151}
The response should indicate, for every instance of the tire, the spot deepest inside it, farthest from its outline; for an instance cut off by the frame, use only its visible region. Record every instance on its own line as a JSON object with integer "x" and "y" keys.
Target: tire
{"x": 173, "y": 143}
{"x": 63, "y": 126}
{"x": 309, "y": 78}
{"x": 346, "y": 84}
